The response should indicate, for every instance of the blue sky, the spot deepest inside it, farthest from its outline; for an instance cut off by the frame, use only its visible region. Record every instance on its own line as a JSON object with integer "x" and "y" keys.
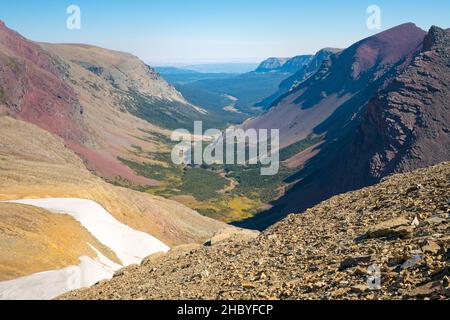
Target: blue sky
{"x": 199, "y": 31}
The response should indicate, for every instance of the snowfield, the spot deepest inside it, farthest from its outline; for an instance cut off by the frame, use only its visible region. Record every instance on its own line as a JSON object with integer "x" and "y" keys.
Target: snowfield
{"x": 129, "y": 245}
{"x": 50, "y": 284}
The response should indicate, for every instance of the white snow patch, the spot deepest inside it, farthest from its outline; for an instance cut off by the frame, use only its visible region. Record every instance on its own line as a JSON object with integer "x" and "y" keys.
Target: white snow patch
{"x": 129, "y": 245}
{"x": 50, "y": 284}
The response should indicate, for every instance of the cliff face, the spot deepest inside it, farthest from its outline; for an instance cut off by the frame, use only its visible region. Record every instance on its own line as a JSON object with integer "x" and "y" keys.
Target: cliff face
{"x": 295, "y": 64}
{"x": 407, "y": 126}
{"x": 271, "y": 64}
{"x": 284, "y": 65}
{"x": 307, "y": 70}
{"x": 124, "y": 71}
{"x": 33, "y": 88}
{"x": 307, "y": 67}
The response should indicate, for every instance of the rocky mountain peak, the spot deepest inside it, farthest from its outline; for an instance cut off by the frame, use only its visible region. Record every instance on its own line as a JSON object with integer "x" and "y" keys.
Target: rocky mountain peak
{"x": 3, "y": 27}
{"x": 405, "y": 126}
{"x": 286, "y": 65}
{"x": 296, "y": 63}
{"x": 386, "y": 47}
{"x": 271, "y": 64}
{"x": 436, "y": 37}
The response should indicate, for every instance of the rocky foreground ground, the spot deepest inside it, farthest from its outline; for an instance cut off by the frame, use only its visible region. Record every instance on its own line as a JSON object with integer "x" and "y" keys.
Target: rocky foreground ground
{"x": 400, "y": 227}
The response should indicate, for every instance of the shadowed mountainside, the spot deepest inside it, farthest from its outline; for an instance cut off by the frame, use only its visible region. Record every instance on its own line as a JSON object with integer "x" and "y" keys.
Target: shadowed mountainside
{"x": 397, "y": 125}
{"x": 302, "y": 73}
{"x": 342, "y": 85}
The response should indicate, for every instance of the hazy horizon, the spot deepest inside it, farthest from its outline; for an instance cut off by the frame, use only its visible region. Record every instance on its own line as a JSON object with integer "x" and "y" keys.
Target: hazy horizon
{"x": 194, "y": 62}
{"x": 183, "y": 33}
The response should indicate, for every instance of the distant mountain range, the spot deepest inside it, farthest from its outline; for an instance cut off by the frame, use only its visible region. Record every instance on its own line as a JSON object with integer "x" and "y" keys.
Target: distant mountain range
{"x": 271, "y": 64}
{"x": 255, "y": 90}
{"x": 249, "y": 89}
{"x": 212, "y": 68}
{"x": 302, "y": 68}
{"x": 174, "y": 70}
{"x": 177, "y": 76}
{"x": 288, "y": 65}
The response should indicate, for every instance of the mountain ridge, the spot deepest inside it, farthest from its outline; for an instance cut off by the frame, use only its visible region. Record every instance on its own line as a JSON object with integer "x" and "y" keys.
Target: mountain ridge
{"x": 396, "y": 126}
{"x": 286, "y": 65}
{"x": 338, "y": 82}
{"x": 302, "y": 73}
{"x": 103, "y": 103}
